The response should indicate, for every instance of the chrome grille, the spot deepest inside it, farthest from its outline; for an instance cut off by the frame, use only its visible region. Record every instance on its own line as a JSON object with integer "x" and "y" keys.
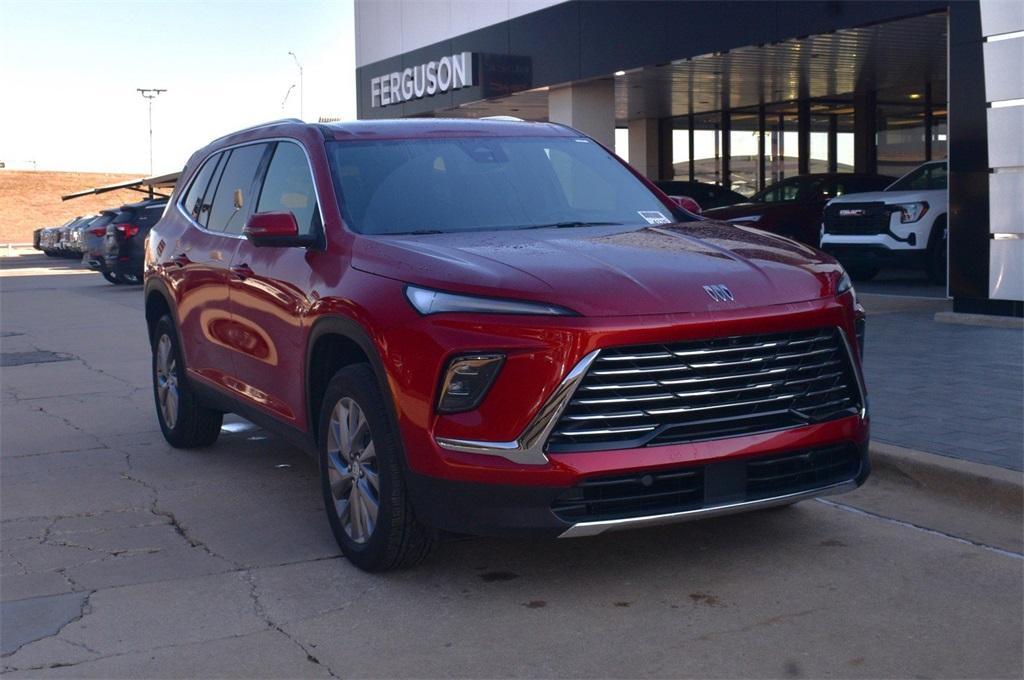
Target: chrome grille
{"x": 690, "y": 391}
{"x": 857, "y": 218}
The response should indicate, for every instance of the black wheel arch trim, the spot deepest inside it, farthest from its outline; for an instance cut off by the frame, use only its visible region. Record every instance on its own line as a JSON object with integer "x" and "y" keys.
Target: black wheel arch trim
{"x": 353, "y": 331}
{"x": 155, "y": 286}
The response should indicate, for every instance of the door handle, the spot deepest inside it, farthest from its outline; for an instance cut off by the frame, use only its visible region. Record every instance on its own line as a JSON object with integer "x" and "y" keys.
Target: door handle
{"x": 242, "y": 272}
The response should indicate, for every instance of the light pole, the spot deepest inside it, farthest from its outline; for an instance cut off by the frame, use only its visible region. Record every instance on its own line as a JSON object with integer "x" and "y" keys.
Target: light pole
{"x": 302, "y": 114}
{"x": 285, "y": 99}
{"x": 150, "y": 94}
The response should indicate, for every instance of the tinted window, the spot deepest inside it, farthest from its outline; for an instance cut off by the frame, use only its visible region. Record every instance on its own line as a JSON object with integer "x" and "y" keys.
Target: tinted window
{"x": 232, "y": 202}
{"x": 793, "y": 189}
{"x": 486, "y": 183}
{"x": 925, "y": 178}
{"x": 288, "y": 186}
{"x": 193, "y": 202}
{"x": 151, "y": 214}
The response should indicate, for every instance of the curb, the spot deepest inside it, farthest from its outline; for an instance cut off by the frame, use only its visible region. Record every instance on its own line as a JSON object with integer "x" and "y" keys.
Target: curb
{"x": 985, "y": 486}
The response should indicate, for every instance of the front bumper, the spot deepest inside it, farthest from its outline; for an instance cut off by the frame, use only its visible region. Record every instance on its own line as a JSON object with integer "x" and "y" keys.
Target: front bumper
{"x": 875, "y": 254}
{"x": 724, "y": 488}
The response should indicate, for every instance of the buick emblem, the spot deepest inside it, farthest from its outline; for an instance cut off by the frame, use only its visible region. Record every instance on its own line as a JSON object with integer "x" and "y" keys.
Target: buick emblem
{"x": 719, "y": 292}
{"x": 852, "y": 212}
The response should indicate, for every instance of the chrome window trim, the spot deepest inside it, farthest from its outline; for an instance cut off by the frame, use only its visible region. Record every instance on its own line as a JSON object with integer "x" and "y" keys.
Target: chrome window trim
{"x": 268, "y": 140}
{"x": 601, "y": 526}
{"x": 528, "y": 447}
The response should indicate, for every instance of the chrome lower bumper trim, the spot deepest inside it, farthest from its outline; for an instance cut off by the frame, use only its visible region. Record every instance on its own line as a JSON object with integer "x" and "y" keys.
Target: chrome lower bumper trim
{"x": 528, "y": 447}
{"x": 595, "y": 528}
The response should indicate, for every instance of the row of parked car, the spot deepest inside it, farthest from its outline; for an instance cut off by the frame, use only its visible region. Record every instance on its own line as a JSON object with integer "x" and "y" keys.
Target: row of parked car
{"x": 110, "y": 242}
{"x": 866, "y": 221}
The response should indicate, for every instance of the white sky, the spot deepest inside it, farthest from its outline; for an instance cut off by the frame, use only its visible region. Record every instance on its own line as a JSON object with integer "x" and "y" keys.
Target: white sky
{"x": 69, "y": 71}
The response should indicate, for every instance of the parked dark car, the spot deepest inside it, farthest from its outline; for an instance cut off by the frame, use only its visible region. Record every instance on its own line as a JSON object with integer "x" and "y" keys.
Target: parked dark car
{"x": 124, "y": 250}
{"x": 93, "y": 241}
{"x": 707, "y": 195}
{"x": 794, "y": 206}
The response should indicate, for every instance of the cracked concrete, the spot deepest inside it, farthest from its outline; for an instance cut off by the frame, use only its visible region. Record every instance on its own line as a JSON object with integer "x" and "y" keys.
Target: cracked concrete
{"x": 133, "y": 559}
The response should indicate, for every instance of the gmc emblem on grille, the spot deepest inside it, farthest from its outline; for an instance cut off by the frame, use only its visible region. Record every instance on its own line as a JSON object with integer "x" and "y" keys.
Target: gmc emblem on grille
{"x": 719, "y": 292}
{"x": 853, "y": 212}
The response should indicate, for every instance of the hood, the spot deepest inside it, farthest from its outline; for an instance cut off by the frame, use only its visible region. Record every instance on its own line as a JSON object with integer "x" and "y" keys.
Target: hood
{"x": 608, "y": 271}
{"x": 892, "y": 197}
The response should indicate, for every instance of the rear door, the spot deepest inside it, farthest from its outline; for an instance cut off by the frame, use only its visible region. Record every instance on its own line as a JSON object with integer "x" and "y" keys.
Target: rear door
{"x": 219, "y": 197}
{"x": 270, "y": 293}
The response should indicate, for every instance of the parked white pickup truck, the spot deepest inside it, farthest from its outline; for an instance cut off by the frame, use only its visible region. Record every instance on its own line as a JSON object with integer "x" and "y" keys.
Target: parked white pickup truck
{"x": 903, "y": 225}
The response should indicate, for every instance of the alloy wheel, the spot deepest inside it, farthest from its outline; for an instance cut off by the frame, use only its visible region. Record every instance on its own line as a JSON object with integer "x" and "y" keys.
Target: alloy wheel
{"x": 352, "y": 470}
{"x": 167, "y": 381}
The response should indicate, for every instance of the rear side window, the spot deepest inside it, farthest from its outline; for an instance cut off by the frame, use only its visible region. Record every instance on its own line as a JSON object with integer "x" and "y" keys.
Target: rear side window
{"x": 288, "y": 186}
{"x": 232, "y": 201}
{"x": 194, "y": 203}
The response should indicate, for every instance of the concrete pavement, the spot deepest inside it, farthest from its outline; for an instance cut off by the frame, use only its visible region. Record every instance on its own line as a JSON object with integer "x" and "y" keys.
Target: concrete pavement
{"x": 123, "y": 557}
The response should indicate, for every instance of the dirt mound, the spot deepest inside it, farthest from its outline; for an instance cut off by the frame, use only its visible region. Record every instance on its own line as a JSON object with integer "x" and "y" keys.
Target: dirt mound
{"x": 31, "y": 199}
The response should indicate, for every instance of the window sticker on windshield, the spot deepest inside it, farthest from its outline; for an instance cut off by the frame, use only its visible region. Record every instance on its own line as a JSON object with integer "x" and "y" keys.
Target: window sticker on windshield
{"x": 654, "y": 217}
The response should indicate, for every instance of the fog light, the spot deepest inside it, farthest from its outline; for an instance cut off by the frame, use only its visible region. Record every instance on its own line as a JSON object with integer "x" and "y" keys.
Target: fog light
{"x": 467, "y": 380}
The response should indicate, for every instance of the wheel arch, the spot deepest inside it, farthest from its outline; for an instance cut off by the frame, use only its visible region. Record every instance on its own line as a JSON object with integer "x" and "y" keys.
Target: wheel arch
{"x": 158, "y": 303}
{"x": 335, "y": 342}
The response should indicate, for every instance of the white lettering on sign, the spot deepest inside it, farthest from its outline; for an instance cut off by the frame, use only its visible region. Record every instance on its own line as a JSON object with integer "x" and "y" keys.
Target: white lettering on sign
{"x": 446, "y": 74}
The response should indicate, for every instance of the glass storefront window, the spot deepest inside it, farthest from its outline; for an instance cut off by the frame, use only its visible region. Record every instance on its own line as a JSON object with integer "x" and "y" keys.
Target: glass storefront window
{"x": 900, "y": 136}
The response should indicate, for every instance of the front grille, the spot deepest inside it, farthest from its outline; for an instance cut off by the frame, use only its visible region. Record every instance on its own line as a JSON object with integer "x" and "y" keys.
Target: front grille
{"x": 708, "y": 485}
{"x": 847, "y": 219}
{"x": 691, "y": 391}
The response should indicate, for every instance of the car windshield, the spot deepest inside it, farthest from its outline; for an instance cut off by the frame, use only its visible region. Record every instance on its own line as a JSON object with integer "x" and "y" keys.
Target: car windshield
{"x": 931, "y": 177}
{"x": 487, "y": 183}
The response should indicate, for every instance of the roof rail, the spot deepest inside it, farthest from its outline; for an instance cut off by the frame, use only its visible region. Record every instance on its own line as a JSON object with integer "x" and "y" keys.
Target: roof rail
{"x": 513, "y": 119}
{"x": 258, "y": 126}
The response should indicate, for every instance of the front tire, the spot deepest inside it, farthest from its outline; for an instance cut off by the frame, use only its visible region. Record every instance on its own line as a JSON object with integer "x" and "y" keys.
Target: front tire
{"x": 111, "y": 277}
{"x": 185, "y": 422}
{"x": 361, "y": 475}
{"x": 938, "y": 253}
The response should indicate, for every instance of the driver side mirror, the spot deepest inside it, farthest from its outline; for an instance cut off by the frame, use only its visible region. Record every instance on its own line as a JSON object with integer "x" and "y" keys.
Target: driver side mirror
{"x": 275, "y": 230}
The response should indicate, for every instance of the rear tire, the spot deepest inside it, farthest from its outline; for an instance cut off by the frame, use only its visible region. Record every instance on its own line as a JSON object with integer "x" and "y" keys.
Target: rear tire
{"x": 185, "y": 422}
{"x": 362, "y": 478}
{"x": 111, "y": 277}
{"x": 937, "y": 252}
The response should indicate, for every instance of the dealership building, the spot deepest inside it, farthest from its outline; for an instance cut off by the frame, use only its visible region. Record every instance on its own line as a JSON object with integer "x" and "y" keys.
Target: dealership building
{"x": 742, "y": 94}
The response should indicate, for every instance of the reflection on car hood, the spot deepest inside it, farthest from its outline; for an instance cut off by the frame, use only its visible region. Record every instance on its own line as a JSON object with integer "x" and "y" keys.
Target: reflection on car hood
{"x": 608, "y": 271}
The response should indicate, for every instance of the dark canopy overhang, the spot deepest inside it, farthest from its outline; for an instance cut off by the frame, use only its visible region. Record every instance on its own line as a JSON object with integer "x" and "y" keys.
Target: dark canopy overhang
{"x": 145, "y": 185}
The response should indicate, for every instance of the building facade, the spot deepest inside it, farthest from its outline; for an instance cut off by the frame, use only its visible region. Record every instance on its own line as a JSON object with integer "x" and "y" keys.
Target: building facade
{"x": 742, "y": 93}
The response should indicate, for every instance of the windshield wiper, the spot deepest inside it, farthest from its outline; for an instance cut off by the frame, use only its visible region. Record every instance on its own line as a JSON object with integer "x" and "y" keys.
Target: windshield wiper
{"x": 572, "y": 225}
{"x": 417, "y": 232}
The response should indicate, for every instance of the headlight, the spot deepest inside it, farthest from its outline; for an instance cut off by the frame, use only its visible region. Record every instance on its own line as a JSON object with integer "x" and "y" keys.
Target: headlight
{"x": 428, "y": 301}
{"x": 747, "y": 218}
{"x": 912, "y": 212}
{"x": 467, "y": 380}
{"x": 845, "y": 285}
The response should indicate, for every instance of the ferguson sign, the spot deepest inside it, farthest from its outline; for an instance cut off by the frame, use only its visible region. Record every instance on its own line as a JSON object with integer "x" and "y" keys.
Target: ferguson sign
{"x": 434, "y": 77}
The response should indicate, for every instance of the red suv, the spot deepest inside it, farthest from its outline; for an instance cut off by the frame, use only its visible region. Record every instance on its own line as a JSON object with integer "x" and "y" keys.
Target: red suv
{"x": 496, "y": 327}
